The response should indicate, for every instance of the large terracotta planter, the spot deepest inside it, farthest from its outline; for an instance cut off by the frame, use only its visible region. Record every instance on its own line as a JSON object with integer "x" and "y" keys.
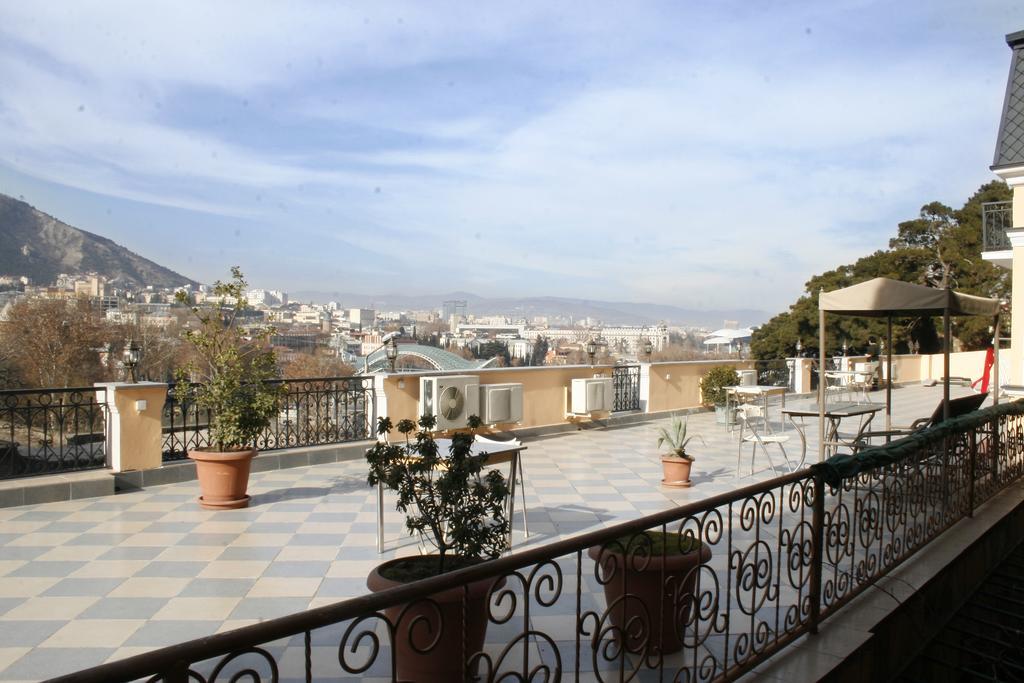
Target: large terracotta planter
{"x": 431, "y": 651}
{"x": 638, "y": 593}
{"x": 223, "y": 477}
{"x": 676, "y": 471}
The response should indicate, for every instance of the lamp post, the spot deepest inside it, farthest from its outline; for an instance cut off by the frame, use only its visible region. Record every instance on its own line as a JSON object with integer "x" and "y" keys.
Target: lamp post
{"x": 591, "y": 350}
{"x": 648, "y": 349}
{"x": 391, "y": 351}
{"x": 799, "y": 347}
{"x": 130, "y": 357}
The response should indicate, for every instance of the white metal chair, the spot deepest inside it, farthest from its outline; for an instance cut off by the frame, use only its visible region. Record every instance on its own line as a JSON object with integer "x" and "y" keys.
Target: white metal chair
{"x": 863, "y": 380}
{"x": 836, "y": 386}
{"x": 754, "y": 431}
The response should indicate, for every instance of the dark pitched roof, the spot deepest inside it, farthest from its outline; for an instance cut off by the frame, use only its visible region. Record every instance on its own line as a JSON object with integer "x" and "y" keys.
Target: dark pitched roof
{"x": 1010, "y": 143}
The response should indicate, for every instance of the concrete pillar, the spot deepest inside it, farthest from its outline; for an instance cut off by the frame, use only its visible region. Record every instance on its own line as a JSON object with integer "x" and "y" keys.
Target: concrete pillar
{"x": 802, "y": 375}
{"x": 645, "y": 386}
{"x": 1014, "y": 374}
{"x": 135, "y": 424}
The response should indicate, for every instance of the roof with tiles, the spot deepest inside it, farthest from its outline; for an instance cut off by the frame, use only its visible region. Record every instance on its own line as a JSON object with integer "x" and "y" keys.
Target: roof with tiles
{"x": 1010, "y": 143}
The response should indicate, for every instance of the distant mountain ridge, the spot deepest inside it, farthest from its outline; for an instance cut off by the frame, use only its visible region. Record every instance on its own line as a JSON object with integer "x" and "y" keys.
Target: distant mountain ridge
{"x": 37, "y": 245}
{"x": 613, "y": 312}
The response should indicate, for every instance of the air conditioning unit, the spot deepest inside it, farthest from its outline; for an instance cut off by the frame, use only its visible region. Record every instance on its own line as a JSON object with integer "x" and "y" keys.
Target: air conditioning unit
{"x": 451, "y": 400}
{"x": 501, "y": 403}
{"x": 592, "y": 395}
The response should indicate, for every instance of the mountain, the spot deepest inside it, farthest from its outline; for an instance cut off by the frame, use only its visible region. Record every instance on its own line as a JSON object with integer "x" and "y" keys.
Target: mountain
{"x": 38, "y": 245}
{"x": 612, "y": 312}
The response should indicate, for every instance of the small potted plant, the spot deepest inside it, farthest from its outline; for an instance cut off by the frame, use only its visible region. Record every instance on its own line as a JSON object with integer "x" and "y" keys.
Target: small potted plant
{"x": 676, "y": 463}
{"x": 650, "y": 582}
{"x": 460, "y": 509}
{"x": 231, "y": 370}
{"x": 712, "y": 389}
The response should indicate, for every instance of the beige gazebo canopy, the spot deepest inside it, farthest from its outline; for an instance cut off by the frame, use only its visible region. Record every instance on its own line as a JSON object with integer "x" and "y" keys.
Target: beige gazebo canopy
{"x": 886, "y": 298}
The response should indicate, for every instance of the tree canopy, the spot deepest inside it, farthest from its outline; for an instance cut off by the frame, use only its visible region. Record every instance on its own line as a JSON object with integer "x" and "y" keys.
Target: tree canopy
{"x": 939, "y": 248}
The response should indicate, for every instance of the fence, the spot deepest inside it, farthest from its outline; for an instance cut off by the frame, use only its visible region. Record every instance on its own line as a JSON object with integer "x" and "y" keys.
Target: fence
{"x": 313, "y": 411}
{"x": 46, "y": 431}
{"x": 773, "y": 373}
{"x": 774, "y": 559}
{"x": 996, "y": 218}
{"x": 626, "y": 387}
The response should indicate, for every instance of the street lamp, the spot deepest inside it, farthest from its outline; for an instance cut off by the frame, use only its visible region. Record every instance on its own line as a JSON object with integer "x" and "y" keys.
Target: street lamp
{"x": 130, "y": 357}
{"x": 391, "y": 351}
{"x": 799, "y": 348}
{"x": 648, "y": 349}
{"x": 591, "y": 350}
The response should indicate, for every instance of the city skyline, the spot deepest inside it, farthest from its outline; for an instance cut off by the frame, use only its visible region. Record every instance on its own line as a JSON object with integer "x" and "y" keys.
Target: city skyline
{"x": 659, "y": 153}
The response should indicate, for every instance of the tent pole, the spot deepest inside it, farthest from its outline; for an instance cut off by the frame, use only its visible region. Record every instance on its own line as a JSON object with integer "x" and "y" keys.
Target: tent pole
{"x": 888, "y": 372}
{"x": 945, "y": 358}
{"x": 821, "y": 384}
{"x": 995, "y": 363}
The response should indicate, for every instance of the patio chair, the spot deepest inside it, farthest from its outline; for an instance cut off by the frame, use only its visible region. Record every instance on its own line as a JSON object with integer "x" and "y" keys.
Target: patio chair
{"x": 754, "y": 431}
{"x": 957, "y": 407}
{"x": 863, "y": 381}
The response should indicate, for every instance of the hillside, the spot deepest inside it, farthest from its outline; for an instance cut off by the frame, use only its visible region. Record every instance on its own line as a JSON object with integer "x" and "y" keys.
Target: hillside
{"x": 38, "y": 245}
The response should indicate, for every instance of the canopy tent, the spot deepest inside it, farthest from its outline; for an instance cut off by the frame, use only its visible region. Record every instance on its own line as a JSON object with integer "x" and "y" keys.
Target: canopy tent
{"x": 886, "y": 298}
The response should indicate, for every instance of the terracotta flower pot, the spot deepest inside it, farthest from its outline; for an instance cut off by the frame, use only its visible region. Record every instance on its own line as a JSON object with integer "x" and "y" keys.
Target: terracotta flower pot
{"x": 428, "y": 641}
{"x": 676, "y": 471}
{"x": 223, "y": 477}
{"x": 637, "y": 594}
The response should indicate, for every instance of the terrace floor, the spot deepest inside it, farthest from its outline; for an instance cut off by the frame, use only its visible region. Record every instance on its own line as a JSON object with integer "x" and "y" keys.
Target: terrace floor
{"x": 89, "y": 581}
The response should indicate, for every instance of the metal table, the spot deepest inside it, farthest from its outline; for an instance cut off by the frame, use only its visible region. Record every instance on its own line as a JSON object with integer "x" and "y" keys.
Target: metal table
{"x": 497, "y": 453}
{"x": 834, "y": 416}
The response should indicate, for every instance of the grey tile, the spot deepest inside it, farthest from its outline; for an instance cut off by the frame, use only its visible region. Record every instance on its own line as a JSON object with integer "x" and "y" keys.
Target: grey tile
{"x": 39, "y": 516}
{"x": 170, "y": 568}
{"x": 47, "y": 568}
{"x": 73, "y": 587}
{"x": 7, "y": 604}
{"x": 268, "y": 608}
{"x": 332, "y": 517}
{"x": 319, "y": 539}
{"x": 124, "y": 608}
{"x": 98, "y": 539}
{"x": 160, "y": 633}
{"x": 67, "y": 526}
{"x": 50, "y": 662}
{"x": 27, "y": 633}
{"x": 341, "y": 587}
{"x": 301, "y": 568}
{"x": 208, "y": 539}
{"x": 249, "y": 553}
{"x": 22, "y": 552}
{"x": 225, "y": 588}
{"x": 273, "y": 528}
{"x": 170, "y": 527}
{"x": 132, "y": 553}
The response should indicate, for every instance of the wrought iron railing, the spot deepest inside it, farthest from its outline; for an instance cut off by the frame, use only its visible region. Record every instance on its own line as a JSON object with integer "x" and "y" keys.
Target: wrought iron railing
{"x": 773, "y": 560}
{"x": 996, "y": 218}
{"x": 45, "y": 431}
{"x": 773, "y": 373}
{"x": 626, "y": 387}
{"x": 313, "y": 411}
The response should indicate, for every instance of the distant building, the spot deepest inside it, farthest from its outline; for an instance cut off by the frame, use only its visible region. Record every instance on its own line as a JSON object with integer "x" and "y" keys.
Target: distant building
{"x": 361, "y": 318}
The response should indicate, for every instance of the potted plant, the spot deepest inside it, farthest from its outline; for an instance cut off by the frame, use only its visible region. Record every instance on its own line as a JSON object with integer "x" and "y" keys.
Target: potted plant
{"x": 461, "y": 510}
{"x": 676, "y": 464}
{"x": 231, "y": 369}
{"x": 649, "y": 581}
{"x": 712, "y": 389}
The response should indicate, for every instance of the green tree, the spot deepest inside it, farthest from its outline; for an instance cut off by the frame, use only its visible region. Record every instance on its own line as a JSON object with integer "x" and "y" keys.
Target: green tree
{"x": 940, "y": 247}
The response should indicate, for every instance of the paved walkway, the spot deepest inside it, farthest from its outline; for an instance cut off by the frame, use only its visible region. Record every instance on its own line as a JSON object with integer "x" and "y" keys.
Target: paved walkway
{"x": 89, "y": 581}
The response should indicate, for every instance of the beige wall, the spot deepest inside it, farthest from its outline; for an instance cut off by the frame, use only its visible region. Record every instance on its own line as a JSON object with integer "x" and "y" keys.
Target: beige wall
{"x": 543, "y": 390}
{"x": 675, "y": 386}
{"x": 135, "y": 433}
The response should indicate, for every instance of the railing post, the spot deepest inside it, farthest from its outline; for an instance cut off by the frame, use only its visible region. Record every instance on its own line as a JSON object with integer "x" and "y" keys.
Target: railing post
{"x": 972, "y": 469}
{"x": 817, "y": 550}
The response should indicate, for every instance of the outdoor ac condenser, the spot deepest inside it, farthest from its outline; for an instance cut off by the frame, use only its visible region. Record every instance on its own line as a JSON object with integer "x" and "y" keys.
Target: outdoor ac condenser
{"x": 592, "y": 395}
{"x": 451, "y": 400}
{"x": 501, "y": 403}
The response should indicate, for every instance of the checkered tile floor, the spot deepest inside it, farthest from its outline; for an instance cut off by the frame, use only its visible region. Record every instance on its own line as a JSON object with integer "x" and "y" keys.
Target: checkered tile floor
{"x": 89, "y": 581}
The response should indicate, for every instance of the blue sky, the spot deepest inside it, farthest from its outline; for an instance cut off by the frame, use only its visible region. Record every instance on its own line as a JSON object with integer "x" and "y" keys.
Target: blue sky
{"x": 703, "y": 154}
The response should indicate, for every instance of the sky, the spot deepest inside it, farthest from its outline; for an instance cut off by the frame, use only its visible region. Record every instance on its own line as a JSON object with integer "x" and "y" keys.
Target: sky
{"x": 695, "y": 153}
